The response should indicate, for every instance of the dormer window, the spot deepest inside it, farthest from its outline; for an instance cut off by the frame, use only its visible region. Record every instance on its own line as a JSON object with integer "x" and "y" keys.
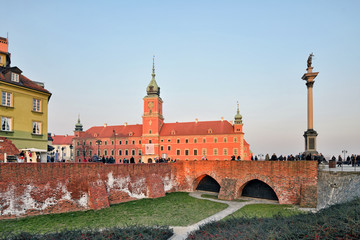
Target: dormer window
{"x": 14, "y": 77}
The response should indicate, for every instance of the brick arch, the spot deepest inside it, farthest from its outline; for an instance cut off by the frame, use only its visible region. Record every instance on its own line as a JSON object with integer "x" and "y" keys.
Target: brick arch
{"x": 198, "y": 179}
{"x": 263, "y": 179}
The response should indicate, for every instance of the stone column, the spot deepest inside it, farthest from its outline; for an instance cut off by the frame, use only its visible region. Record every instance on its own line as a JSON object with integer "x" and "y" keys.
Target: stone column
{"x": 310, "y": 134}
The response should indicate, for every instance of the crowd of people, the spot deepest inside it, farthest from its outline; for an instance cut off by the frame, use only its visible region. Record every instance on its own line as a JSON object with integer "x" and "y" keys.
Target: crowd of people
{"x": 296, "y": 157}
{"x": 354, "y": 160}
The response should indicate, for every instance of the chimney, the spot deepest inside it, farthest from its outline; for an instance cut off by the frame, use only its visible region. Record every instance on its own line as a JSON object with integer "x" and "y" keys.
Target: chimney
{"x": 222, "y": 119}
{"x": 105, "y": 124}
{"x": 196, "y": 120}
{"x": 125, "y": 124}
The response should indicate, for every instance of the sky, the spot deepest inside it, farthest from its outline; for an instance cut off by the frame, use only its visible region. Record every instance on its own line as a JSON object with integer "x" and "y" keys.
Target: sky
{"x": 95, "y": 57}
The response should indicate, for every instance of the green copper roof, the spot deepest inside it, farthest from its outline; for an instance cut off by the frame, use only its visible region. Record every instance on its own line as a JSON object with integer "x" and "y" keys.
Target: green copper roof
{"x": 78, "y": 126}
{"x": 238, "y": 117}
{"x": 153, "y": 88}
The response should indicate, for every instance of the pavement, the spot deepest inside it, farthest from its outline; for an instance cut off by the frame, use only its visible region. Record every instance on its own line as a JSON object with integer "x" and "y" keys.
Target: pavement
{"x": 344, "y": 168}
{"x": 181, "y": 233}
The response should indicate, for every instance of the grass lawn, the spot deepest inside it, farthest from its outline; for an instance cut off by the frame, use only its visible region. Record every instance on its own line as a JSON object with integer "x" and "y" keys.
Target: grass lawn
{"x": 216, "y": 197}
{"x": 264, "y": 211}
{"x": 175, "y": 209}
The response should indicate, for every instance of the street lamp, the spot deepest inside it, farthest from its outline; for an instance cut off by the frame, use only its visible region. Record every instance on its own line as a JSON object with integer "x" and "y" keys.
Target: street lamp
{"x": 114, "y": 144}
{"x": 98, "y": 142}
{"x": 344, "y": 152}
{"x": 71, "y": 152}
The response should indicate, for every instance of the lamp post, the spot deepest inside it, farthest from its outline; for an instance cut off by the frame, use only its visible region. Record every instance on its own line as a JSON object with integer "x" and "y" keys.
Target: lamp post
{"x": 71, "y": 152}
{"x": 114, "y": 145}
{"x": 98, "y": 142}
{"x": 344, "y": 152}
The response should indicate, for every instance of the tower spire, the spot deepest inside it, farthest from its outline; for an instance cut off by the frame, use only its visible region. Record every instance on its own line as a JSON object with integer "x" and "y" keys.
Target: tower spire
{"x": 153, "y": 88}
{"x": 238, "y": 117}
{"x": 153, "y": 69}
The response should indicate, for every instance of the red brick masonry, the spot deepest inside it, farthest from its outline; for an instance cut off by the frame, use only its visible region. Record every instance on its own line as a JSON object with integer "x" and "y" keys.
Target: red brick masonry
{"x": 42, "y": 188}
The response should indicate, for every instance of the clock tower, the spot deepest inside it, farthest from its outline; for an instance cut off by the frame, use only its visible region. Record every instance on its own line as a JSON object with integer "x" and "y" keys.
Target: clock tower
{"x": 152, "y": 121}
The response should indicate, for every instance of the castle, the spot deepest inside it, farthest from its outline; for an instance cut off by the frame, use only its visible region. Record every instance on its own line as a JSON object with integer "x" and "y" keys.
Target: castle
{"x": 154, "y": 139}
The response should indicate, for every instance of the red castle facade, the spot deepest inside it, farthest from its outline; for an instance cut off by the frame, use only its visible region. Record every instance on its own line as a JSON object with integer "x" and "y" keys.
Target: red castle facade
{"x": 213, "y": 140}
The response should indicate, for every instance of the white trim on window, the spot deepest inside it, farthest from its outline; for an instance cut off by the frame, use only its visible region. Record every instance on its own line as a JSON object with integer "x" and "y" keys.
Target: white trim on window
{"x": 6, "y": 99}
{"x": 36, "y": 105}
{"x": 14, "y": 77}
{"x": 6, "y": 124}
{"x": 36, "y": 127}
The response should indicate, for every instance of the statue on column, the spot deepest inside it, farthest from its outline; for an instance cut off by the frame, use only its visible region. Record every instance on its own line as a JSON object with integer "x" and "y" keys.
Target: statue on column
{"x": 309, "y": 61}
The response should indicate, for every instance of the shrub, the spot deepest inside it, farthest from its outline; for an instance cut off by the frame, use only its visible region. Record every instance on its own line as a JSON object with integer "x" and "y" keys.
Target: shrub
{"x": 336, "y": 222}
{"x": 136, "y": 232}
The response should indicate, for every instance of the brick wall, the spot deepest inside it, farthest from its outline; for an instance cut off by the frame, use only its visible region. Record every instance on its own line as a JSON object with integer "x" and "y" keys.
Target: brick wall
{"x": 41, "y": 188}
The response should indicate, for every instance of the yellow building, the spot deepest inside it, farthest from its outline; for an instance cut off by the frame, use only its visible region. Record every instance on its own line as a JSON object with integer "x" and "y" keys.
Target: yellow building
{"x": 23, "y": 109}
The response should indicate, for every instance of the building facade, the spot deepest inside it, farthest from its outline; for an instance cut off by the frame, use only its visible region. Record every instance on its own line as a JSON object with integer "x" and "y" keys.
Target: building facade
{"x": 23, "y": 109}
{"x": 154, "y": 139}
{"x": 63, "y": 148}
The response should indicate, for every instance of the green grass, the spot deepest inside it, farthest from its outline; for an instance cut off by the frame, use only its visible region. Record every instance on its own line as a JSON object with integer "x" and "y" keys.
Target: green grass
{"x": 216, "y": 197}
{"x": 175, "y": 209}
{"x": 264, "y": 211}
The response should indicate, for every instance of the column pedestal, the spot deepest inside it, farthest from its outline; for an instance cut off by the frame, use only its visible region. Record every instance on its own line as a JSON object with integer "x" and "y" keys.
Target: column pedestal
{"x": 310, "y": 141}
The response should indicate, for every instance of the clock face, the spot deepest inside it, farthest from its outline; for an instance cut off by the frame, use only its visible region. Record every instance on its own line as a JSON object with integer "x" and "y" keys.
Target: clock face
{"x": 150, "y": 105}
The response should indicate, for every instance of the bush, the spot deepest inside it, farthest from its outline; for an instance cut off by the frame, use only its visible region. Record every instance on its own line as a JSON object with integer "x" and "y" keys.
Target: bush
{"x": 136, "y": 232}
{"x": 336, "y": 222}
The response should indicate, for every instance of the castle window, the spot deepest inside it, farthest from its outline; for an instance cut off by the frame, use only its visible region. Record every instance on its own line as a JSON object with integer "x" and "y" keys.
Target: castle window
{"x": 169, "y": 140}
{"x": 169, "y": 148}
{"x": 131, "y": 133}
{"x": 112, "y": 152}
{"x": 126, "y": 152}
{"x": 204, "y": 140}
{"x": 178, "y": 140}
{"x": 195, "y": 152}
{"x": 150, "y": 141}
{"x": 14, "y": 77}
{"x": 204, "y": 151}
{"x": 139, "y": 141}
{"x": 178, "y": 152}
{"x": 36, "y": 105}
{"x": 235, "y": 139}
{"x": 105, "y": 143}
{"x": 120, "y": 152}
{"x": 120, "y": 142}
{"x": 173, "y": 132}
{"x": 6, "y": 124}
{"x": 112, "y": 142}
{"x": 150, "y": 131}
{"x": 77, "y": 153}
{"x": 140, "y": 152}
{"x": 225, "y": 151}
{"x": 90, "y": 143}
{"x": 186, "y": 152}
{"x": 235, "y": 151}
{"x": 126, "y": 142}
{"x": 132, "y": 152}
{"x": 195, "y": 140}
{"x": 162, "y": 148}
{"x": 99, "y": 153}
{"x": 210, "y": 131}
{"x": 133, "y": 142}
{"x": 36, "y": 128}
{"x": 215, "y": 151}
{"x": 162, "y": 140}
{"x": 6, "y": 99}
{"x": 225, "y": 139}
{"x": 186, "y": 140}
{"x": 90, "y": 153}
{"x": 215, "y": 140}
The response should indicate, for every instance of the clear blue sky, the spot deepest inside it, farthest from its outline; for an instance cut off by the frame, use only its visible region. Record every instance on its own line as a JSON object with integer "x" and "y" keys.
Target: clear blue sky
{"x": 96, "y": 59}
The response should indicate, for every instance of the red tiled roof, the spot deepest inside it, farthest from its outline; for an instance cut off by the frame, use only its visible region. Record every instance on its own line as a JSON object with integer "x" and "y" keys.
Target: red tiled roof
{"x": 121, "y": 131}
{"x": 25, "y": 82}
{"x": 6, "y": 146}
{"x": 197, "y": 128}
{"x": 62, "y": 140}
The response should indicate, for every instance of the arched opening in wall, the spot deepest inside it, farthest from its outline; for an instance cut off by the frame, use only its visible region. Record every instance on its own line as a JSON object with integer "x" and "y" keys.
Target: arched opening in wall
{"x": 149, "y": 160}
{"x": 207, "y": 183}
{"x": 258, "y": 189}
